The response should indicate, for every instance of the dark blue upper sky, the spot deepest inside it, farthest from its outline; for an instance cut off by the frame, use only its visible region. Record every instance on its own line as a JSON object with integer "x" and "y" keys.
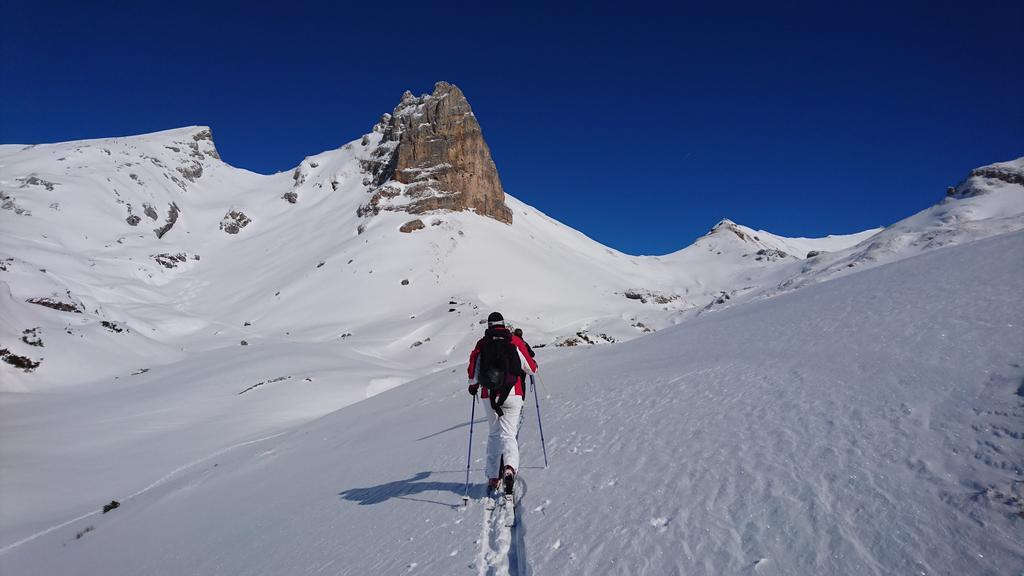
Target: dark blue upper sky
{"x": 641, "y": 124}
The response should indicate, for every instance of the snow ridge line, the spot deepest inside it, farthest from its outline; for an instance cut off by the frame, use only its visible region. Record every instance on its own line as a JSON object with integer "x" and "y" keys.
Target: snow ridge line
{"x": 164, "y": 479}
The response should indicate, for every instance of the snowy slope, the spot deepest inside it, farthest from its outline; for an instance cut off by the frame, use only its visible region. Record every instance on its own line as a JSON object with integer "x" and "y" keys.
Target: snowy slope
{"x": 732, "y": 259}
{"x": 155, "y": 261}
{"x": 989, "y": 202}
{"x": 135, "y": 232}
{"x": 176, "y": 345}
{"x": 867, "y": 425}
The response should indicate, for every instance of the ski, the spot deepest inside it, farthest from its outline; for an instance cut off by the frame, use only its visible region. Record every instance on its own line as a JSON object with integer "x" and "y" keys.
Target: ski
{"x": 510, "y": 510}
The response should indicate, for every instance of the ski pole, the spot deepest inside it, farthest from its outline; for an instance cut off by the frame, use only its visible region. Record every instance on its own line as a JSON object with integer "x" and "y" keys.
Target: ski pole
{"x": 469, "y": 454}
{"x": 536, "y": 401}
{"x": 541, "y": 384}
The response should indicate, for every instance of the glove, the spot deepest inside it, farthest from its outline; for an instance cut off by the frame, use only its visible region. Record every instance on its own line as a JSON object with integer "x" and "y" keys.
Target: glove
{"x": 473, "y": 387}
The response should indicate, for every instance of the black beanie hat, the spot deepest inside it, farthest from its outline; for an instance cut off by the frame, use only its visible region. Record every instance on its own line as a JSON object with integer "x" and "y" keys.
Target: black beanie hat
{"x": 495, "y": 319}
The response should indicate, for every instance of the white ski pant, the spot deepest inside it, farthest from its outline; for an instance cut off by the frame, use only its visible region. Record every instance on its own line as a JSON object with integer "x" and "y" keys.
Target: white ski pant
{"x": 501, "y": 440}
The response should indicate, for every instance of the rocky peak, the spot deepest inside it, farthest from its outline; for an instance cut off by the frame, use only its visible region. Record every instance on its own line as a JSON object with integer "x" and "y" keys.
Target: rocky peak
{"x": 983, "y": 180}
{"x": 193, "y": 141}
{"x": 432, "y": 156}
{"x": 723, "y": 223}
{"x": 726, "y": 226}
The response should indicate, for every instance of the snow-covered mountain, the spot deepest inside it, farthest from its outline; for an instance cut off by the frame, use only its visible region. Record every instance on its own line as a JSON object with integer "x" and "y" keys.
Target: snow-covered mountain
{"x": 158, "y": 305}
{"x": 123, "y": 254}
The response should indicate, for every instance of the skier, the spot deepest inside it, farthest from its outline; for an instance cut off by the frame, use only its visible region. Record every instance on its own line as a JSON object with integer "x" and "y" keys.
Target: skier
{"x": 500, "y": 351}
{"x": 519, "y": 332}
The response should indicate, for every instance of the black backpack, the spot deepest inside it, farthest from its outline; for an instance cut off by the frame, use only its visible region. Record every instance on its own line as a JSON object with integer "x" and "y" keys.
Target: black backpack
{"x": 499, "y": 366}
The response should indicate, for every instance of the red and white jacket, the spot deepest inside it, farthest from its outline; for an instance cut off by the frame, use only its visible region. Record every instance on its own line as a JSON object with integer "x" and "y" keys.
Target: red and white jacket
{"x": 529, "y": 364}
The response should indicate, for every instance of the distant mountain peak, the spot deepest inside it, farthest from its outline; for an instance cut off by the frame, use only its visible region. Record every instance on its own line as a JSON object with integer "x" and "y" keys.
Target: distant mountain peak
{"x": 726, "y": 226}
{"x": 432, "y": 156}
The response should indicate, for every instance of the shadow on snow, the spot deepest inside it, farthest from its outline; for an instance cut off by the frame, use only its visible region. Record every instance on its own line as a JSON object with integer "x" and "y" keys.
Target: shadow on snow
{"x": 456, "y": 427}
{"x": 404, "y": 489}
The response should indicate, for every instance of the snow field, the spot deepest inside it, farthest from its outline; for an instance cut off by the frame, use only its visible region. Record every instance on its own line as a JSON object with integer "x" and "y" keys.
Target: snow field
{"x": 300, "y": 309}
{"x": 861, "y": 427}
{"x": 867, "y": 425}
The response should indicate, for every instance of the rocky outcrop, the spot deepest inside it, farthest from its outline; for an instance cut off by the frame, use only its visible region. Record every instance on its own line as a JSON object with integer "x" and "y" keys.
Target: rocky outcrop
{"x": 432, "y": 156}
{"x": 770, "y": 255}
{"x": 172, "y": 217}
{"x": 234, "y": 221}
{"x": 33, "y": 180}
{"x": 191, "y": 170}
{"x": 982, "y": 180}
{"x": 8, "y": 203}
{"x": 412, "y": 226}
{"x": 645, "y": 296}
{"x": 21, "y": 362}
{"x": 171, "y": 261}
{"x": 997, "y": 172}
{"x": 727, "y": 225}
{"x": 57, "y": 303}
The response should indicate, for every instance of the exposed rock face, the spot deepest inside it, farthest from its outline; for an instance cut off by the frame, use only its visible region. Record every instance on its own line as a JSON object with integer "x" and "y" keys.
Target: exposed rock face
{"x": 8, "y": 203}
{"x": 234, "y": 221}
{"x": 412, "y": 226}
{"x": 645, "y": 296}
{"x": 727, "y": 225}
{"x": 22, "y": 362}
{"x": 770, "y": 255}
{"x": 170, "y": 261}
{"x": 432, "y": 156}
{"x": 55, "y": 301}
{"x": 172, "y": 217}
{"x": 997, "y": 172}
{"x": 981, "y": 180}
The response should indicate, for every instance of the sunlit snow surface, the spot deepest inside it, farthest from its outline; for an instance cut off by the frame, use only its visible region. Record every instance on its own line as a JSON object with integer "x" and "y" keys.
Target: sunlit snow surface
{"x": 713, "y": 440}
{"x": 870, "y": 425}
{"x": 332, "y": 308}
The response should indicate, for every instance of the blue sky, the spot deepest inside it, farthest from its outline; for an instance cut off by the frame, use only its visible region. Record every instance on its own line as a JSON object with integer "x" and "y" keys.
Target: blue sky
{"x": 640, "y": 124}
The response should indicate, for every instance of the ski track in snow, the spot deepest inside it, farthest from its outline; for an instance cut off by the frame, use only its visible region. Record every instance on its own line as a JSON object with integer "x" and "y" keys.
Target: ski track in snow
{"x": 163, "y": 480}
{"x": 519, "y": 562}
{"x": 503, "y": 548}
